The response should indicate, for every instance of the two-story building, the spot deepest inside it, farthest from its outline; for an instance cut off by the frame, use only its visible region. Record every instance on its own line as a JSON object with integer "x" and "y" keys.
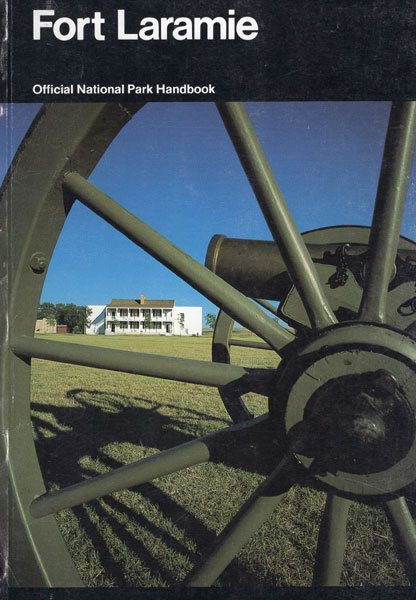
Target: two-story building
{"x": 143, "y": 316}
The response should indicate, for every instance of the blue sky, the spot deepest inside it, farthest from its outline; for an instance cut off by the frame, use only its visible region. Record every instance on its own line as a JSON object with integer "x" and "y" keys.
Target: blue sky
{"x": 175, "y": 168}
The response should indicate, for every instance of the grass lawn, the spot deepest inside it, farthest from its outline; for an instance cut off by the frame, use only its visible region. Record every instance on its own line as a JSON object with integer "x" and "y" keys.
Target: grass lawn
{"x": 88, "y": 421}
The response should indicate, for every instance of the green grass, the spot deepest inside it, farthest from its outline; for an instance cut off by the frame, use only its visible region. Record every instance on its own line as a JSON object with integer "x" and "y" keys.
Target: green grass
{"x": 88, "y": 421}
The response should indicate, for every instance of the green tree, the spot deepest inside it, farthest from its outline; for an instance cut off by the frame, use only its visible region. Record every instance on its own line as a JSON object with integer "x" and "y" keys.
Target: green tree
{"x": 70, "y": 315}
{"x": 67, "y": 315}
{"x": 83, "y": 317}
{"x": 181, "y": 320}
{"x": 210, "y": 319}
{"x": 51, "y": 321}
{"x": 148, "y": 324}
{"x": 60, "y": 314}
{"x": 45, "y": 310}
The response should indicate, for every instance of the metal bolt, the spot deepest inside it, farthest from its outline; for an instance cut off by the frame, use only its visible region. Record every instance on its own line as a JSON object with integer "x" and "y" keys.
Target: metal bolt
{"x": 38, "y": 262}
{"x": 387, "y": 381}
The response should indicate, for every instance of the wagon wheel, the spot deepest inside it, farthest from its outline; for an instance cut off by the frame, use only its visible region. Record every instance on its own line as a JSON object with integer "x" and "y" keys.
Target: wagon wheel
{"x": 342, "y": 397}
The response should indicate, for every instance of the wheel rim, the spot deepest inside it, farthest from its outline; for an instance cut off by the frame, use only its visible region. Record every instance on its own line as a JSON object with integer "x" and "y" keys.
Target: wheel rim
{"x": 39, "y": 556}
{"x": 221, "y": 352}
{"x": 92, "y": 127}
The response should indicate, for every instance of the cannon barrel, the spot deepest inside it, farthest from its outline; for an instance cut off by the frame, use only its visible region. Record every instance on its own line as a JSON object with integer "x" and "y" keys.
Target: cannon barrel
{"x": 256, "y": 267}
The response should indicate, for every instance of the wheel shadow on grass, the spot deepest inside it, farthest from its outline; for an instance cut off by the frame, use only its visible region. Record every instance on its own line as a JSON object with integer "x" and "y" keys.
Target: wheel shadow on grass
{"x": 102, "y": 431}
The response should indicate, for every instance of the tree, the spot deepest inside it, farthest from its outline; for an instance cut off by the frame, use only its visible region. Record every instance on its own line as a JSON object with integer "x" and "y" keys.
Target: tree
{"x": 67, "y": 315}
{"x": 181, "y": 320}
{"x": 210, "y": 320}
{"x": 60, "y": 313}
{"x": 50, "y": 320}
{"x": 45, "y": 310}
{"x": 70, "y": 315}
{"x": 148, "y": 324}
{"x": 83, "y": 317}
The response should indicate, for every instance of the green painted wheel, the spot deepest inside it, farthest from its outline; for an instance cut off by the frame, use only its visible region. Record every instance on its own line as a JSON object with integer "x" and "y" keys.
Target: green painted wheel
{"x": 35, "y": 206}
{"x": 342, "y": 400}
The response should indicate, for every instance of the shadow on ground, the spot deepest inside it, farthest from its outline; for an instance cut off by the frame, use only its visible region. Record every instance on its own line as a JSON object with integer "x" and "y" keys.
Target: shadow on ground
{"x": 66, "y": 434}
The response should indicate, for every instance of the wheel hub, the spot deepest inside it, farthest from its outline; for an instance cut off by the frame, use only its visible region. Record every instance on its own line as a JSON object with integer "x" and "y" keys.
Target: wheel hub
{"x": 358, "y": 423}
{"x": 350, "y": 408}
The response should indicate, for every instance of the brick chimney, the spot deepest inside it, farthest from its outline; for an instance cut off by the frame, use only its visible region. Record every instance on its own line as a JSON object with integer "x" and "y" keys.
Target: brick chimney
{"x": 142, "y": 298}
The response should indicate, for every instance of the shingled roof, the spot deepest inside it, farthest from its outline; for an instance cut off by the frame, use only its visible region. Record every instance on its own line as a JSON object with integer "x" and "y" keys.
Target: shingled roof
{"x": 117, "y": 303}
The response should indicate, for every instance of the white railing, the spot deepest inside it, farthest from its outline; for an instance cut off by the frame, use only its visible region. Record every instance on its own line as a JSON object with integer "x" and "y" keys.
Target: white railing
{"x": 138, "y": 318}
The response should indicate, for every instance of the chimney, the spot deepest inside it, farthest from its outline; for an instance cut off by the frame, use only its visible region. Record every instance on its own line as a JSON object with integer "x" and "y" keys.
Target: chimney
{"x": 142, "y": 298}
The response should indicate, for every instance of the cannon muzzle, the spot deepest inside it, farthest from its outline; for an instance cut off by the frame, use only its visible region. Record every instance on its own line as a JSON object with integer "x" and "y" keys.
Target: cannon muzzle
{"x": 256, "y": 268}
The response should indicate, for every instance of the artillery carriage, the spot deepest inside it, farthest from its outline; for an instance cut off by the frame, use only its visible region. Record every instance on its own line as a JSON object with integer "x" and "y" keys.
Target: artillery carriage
{"x": 342, "y": 400}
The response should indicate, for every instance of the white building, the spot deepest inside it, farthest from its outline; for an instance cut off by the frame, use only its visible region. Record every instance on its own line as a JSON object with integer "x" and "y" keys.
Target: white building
{"x": 160, "y": 317}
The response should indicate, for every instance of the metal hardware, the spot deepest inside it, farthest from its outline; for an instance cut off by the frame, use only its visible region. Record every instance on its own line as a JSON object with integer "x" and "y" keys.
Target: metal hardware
{"x": 340, "y": 277}
{"x": 38, "y": 262}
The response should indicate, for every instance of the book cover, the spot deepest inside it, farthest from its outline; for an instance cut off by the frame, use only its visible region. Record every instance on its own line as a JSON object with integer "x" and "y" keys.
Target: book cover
{"x": 208, "y": 297}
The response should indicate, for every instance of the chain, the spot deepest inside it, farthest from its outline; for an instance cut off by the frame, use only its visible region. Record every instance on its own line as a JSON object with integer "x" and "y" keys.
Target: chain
{"x": 408, "y": 307}
{"x": 340, "y": 277}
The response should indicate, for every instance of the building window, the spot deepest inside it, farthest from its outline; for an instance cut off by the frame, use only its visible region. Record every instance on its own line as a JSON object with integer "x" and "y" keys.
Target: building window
{"x": 134, "y": 312}
{"x": 123, "y": 312}
{"x": 157, "y": 312}
{"x": 133, "y": 325}
{"x": 157, "y": 325}
{"x": 123, "y": 325}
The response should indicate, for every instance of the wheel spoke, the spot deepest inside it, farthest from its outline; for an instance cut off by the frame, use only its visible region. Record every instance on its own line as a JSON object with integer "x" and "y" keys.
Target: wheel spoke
{"x": 202, "y": 279}
{"x": 388, "y": 210}
{"x": 139, "y": 363}
{"x": 248, "y": 344}
{"x": 139, "y": 472}
{"x": 266, "y": 305}
{"x": 404, "y": 531}
{"x": 246, "y": 522}
{"x": 146, "y": 469}
{"x": 331, "y": 542}
{"x": 279, "y": 220}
